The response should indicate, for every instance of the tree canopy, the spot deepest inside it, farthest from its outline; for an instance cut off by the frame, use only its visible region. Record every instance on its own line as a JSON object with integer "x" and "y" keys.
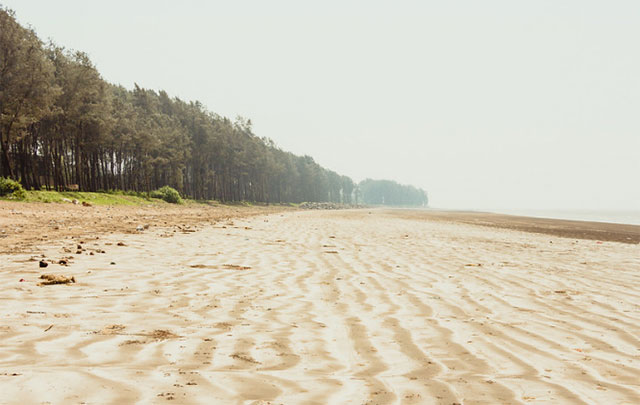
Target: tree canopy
{"x": 62, "y": 126}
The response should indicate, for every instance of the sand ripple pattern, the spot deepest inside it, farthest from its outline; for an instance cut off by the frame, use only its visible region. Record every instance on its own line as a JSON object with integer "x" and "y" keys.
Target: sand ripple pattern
{"x": 328, "y": 308}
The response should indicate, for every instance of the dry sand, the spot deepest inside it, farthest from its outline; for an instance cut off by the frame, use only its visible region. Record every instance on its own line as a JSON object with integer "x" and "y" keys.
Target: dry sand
{"x": 352, "y": 307}
{"x": 24, "y": 225}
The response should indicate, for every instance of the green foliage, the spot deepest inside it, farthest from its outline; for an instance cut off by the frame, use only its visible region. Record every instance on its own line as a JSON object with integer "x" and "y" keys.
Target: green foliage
{"x": 11, "y": 188}
{"x": 168, "y": 194}
{"x": 27, "y": 88}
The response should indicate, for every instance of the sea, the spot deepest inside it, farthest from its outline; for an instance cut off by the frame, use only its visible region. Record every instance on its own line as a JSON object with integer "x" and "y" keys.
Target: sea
{"x": 613, "y": 216}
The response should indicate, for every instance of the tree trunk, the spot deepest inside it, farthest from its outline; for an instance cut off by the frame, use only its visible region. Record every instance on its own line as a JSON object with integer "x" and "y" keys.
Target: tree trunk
{"x": 7, "y": 168}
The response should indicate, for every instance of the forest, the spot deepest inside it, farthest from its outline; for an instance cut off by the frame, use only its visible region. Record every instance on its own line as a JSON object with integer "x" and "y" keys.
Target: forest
{"x": 63, "y": 127}
{"x": 387, "y": 192}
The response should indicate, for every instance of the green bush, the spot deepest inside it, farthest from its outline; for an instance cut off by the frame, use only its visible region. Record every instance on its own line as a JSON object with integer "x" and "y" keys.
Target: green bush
{"x": 168, "y": 194}
{"x": 12, "y": 188}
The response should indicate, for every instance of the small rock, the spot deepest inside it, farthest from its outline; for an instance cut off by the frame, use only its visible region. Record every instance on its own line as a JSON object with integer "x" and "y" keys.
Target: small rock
{"x": 43, "y": 263}
{"x": 86, "y": 204}
{"x": 113, "y": 263}
{"x": 76, "y": 202}
{"x": 140, "y": 228}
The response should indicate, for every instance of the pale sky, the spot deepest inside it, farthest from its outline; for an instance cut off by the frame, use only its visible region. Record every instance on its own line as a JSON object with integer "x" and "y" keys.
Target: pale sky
{"x": 485, "y": 104}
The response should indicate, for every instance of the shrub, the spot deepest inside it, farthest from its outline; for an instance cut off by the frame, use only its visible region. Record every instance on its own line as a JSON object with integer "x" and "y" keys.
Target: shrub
{"x": 168, "y": 194}
{"x": 12, "y": 188}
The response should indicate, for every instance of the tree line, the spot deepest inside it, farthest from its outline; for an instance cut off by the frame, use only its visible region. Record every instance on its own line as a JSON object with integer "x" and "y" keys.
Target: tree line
{"x": 387, "y": 192}
{"x": 62, "y": 126}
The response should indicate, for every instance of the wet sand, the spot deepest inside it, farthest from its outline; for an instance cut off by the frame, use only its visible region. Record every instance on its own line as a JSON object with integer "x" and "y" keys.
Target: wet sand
{"x": 612, "y": 232}
{"x": 363, "y": 307}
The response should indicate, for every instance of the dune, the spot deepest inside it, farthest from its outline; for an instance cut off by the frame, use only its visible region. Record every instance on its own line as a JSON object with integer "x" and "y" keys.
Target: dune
{"x": 323, "y": 307}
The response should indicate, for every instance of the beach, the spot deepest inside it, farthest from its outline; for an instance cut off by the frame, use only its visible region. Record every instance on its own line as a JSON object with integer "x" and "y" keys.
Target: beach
{"x": 276, "y": 306}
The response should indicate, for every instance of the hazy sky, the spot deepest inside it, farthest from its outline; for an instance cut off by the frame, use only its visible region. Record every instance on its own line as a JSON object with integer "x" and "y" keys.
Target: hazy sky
{"x": 485, "y": 104}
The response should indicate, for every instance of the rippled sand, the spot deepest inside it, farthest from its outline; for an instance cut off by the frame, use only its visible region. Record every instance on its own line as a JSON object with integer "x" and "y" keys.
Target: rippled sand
{"x": 325, "y": 308}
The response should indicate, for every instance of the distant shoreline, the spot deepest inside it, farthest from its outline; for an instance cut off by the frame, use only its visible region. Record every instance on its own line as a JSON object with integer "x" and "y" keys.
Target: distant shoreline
{"x": 576, "y": 229}
{"x": 627, "y": 217}
{"x": 624, "y": 216}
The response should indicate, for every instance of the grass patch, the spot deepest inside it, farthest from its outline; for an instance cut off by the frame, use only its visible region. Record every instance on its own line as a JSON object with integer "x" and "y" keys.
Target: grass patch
{"x": 119, "y": 197}
{"x": 91, "y": 198}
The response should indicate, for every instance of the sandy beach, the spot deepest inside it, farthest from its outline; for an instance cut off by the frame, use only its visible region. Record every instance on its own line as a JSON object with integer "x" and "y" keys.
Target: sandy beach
{"x": 317, "y": 307}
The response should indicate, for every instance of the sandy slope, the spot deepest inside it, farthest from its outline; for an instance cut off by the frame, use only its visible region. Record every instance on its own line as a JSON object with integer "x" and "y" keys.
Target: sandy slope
{"x": 326, "y": 307}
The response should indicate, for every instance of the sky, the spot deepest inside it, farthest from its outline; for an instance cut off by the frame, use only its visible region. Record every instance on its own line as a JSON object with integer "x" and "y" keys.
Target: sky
{"x": 493, "y": 104}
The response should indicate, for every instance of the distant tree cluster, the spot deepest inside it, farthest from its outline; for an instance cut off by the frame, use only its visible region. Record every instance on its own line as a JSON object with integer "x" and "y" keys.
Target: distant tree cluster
{"x": 63, "y": 126}
{"x": 387, "y": 192}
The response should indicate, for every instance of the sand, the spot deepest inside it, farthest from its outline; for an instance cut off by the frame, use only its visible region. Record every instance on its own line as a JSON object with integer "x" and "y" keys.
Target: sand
{"x": 24, "y": 225}
{"x": 358, "y": 307}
